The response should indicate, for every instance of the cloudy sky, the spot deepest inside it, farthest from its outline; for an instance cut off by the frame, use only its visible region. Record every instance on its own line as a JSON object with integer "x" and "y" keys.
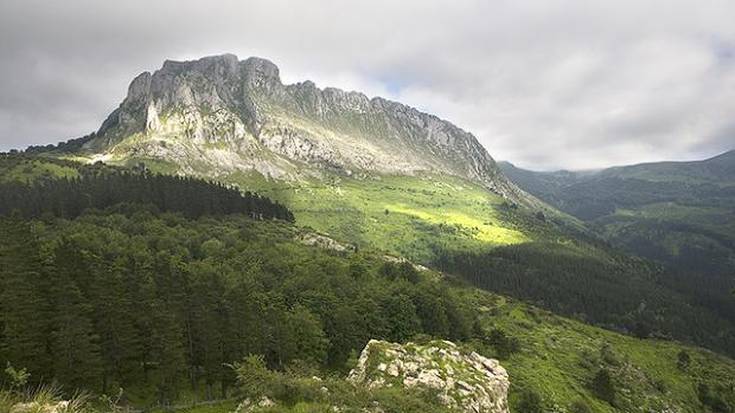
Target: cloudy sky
{"x": 543, "y": 83}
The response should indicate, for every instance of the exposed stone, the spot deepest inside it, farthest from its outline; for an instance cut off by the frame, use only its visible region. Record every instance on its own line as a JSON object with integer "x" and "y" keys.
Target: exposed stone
{"x": 323, "y": 241}
{"x": 248, "y": 405}
{"x": 466, "y": 381}
{"x": 36, "y": 407}
{"x": 219, "y": 115}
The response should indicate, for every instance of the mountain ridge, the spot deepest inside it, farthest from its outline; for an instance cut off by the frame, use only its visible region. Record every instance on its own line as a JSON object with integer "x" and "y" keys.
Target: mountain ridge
{"x": 726, "y": 157}
{"x": 677, "y": 213}
{"x": 218, "y": 115}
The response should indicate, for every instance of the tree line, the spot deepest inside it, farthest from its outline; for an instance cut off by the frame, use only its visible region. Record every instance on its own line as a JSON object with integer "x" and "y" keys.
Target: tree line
{"x": 617, "y": 292}
{"x": 70, "y": 197}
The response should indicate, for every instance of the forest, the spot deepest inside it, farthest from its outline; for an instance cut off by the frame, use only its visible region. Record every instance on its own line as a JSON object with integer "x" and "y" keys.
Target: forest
{"x": 625, "y": 294}
{"x": 99, "y": 188}
{"x": 157, "y": 304}
{"x": 170, "y": 289}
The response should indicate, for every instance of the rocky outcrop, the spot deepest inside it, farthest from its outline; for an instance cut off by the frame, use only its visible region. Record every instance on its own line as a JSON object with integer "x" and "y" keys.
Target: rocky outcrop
{"x": 219, "y": 115}
{"x": 41, "y": 407}
{"x": 323, "y": 241}
{"x": 247, "y": 405}
{"x": 466, "y": 381}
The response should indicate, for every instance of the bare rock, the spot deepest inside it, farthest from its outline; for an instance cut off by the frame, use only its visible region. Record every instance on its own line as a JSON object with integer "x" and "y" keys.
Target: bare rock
{"x": 466, "y": 381}
{"x": 183, "y": 111}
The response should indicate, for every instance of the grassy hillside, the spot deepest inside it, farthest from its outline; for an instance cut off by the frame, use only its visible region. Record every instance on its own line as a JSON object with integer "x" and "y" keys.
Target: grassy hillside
{"x": 460, "y": 227}
{"x": 675, "y": 212}
{"x": 408, "y": 216}
{"x": 547, "y": 356}
{"x": 334, "y": 301}
{"x": 559, "y": 358}
{"x": 680, "y": 214}
{"x": 21, "y": 169}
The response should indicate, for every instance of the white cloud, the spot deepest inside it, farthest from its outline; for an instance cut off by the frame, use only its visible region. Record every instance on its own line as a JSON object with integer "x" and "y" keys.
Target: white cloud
{"x": 543, "y": 83}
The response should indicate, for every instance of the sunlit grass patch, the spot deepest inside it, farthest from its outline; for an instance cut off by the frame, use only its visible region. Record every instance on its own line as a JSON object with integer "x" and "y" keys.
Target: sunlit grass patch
{"x": 480, "y": 230}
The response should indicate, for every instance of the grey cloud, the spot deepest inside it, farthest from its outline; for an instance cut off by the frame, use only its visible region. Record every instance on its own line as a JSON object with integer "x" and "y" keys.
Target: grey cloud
{"x": 543, "y": 83}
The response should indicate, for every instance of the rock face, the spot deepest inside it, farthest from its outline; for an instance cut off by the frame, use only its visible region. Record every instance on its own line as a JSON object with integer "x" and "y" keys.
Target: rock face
{"x": 219, "y": 115}
{"x": 468, "y": 382}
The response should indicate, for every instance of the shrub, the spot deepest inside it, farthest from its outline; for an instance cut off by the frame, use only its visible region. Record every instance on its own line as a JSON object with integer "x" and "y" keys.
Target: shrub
{"x": 580, "y": 406}
{"x": 529, "y": 402}
{"x": 603, "y": 386}
{"x": 711, "y": 399}
{"x": 503, "y": 344}
{"x": 254, "y": 377}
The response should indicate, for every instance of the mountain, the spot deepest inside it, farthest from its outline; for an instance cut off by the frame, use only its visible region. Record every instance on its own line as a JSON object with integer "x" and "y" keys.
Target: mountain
{"x": 384, "y": 177}
{"x": 676, "y": 212}
{"x": 321, "y": 225}
{"x": 591, "y": 194}
{"x": 217, "y": 116}
{"x": 719, "y": 170}
{"x": 681, "y": 214}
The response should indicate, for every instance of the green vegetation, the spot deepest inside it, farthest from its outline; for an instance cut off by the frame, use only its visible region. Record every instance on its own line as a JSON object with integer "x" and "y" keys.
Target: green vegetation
{"x": 407, "y": 216}
{"x": 95, "y": 188}
{"x": 21, "y": 169}
{"x": 460, "y": 228}
{"x": 182, "y": 266}
{"x": 161, "y": 305}
{"x": 677, "y": 213}
{"x": 560, "y": 360}
{"x": 295, "y": 391}
{"x": 158, "y": 304}
{"x": 606, "y": 289}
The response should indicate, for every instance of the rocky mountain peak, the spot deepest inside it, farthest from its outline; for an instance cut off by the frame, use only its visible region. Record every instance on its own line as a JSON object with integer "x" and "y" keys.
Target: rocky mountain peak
{"x": 260, "y": 70}
{"x": 222, "y": 64}
{"x": 218, "y": 115}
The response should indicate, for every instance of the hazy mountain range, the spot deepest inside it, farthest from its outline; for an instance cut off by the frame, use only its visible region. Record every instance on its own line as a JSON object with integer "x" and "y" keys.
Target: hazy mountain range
{"x": 682, "y": 213}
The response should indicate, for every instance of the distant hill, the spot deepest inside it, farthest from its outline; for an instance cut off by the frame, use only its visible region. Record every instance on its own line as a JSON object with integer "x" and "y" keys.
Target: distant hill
{"x": 679, "y": 213}
{"x": 676, "y": 212}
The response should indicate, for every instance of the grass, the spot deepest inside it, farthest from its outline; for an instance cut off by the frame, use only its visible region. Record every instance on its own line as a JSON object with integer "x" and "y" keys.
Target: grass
{"x": 218, "y": 407}
{"x": 32, "y": 170}
{"x": 558, "y": 358}
{"x": 409, "y": 216}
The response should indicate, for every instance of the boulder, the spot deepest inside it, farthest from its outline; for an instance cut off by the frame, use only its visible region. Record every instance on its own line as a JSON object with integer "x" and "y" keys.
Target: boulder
{"x": 37, "y": 407}
{"x": 463, "y": 380}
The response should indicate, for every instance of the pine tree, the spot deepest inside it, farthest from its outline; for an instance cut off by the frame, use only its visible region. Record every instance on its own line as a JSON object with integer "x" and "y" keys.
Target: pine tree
{"x": 119, "y": 338}
{"x": 24, "y": 311}
{"x": 74, "y": 346}
{"x": 166, "y": 352}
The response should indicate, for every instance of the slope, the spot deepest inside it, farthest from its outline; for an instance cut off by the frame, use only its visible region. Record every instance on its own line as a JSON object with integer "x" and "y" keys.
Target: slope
{"x": 186, "y": 295}
{"x": 679, "y": 213}
{"x": 218, "y": 115}
{"x": 381, "y": 175}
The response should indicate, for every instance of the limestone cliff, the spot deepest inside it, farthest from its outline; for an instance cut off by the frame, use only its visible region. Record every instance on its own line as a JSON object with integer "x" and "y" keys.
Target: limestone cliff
{"x": 219, "y": 115}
